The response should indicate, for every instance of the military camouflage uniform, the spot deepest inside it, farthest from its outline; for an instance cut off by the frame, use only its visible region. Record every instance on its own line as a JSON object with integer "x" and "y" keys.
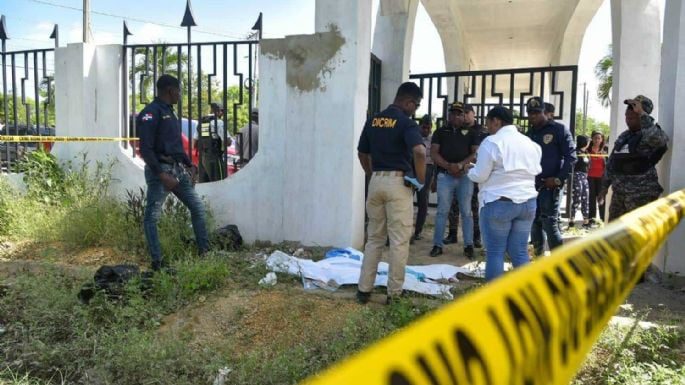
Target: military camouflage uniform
{"x": 631, "y": 173}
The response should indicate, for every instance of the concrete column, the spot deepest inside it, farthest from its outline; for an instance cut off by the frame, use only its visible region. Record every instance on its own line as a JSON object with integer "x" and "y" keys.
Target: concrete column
{"x": 671, "y": 114}
{"x": 392, "y": 43}
{"x": 637, "y": 55}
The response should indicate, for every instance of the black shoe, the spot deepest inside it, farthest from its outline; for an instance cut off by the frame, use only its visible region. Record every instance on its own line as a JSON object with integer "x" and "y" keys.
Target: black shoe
{"x": 156, "y": 265}
{"x": 468, "y": 252}
{"x": 436, "y": 251}
{"x": 477, "y": 244}
{"x": 363, "y": 298}
{"x": 587, "y": 226}
{"x": 417, "y": 237}
{"x": 571, "y": 224}
{"x": 451, "y": 238}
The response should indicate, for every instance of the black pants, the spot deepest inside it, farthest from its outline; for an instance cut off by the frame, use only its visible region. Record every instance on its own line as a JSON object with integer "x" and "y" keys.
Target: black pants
{"x": 595, "y": 188}
{"x": 422, "y": 200}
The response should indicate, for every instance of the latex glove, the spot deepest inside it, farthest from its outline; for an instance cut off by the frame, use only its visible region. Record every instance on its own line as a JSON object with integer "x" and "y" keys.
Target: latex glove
{"x": 414, "y": 182}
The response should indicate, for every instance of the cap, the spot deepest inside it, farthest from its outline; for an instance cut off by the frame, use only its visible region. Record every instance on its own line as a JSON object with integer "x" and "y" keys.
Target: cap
{"x": 581, "y": 141}
{"x": 456, "y": 106}
{"x": 426, "y": 119}
{"x": 549, "y": 107}
{"x": 216, "y": 105}
{"x": 468, "y": 108}
{"x": 535, "y": 104}
{"x": 646, "y": 102}
{"x": 502, "y": 113}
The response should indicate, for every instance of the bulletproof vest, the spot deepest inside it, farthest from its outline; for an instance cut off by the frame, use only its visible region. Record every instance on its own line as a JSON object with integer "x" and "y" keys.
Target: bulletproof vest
{"x": 634, "y": 163}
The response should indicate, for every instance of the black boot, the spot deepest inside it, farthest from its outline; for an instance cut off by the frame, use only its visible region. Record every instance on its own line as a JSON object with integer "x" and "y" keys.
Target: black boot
{"x": 436, "y": 251}
{"x": 451, "y": 238}
{"x": 468, "y": 252}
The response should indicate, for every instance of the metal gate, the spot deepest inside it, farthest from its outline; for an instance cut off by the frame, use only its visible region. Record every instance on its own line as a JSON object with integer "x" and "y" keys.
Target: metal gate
{"x": 27, "y": 106}
{"x": 374, "y": 86}
{"x": 508, "y": 87}
{"x": 209, "y": 72}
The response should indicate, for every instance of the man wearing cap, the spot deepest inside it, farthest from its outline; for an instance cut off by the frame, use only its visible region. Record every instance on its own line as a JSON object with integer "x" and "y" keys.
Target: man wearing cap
{"x": 508, "y": 163}
{"x": 558, "y": 158}
{"x": 389, "y": 142}
{"x": 211, "y": 145}
{"x": 453, "y": 147}
{"x": 426, "y": 129}
{"x": 631, "y": 171}
{"x": 453, "y": 217}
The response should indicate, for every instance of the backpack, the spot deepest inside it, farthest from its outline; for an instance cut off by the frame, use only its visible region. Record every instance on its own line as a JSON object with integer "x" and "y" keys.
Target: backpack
{"x": 112, "y": 281}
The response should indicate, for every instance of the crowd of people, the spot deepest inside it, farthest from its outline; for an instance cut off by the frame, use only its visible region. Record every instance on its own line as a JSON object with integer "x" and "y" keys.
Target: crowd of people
{"x": 496, "y": 179}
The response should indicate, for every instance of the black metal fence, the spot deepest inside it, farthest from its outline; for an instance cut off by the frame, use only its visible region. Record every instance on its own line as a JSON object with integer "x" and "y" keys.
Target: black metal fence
{"x": 27, "y": 106}
{"x": 219, "y": 140}
{"x": 508, "y": 87}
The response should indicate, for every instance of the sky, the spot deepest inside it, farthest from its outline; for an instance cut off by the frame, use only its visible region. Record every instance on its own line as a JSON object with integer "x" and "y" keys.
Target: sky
{"x": 30, "y": 22}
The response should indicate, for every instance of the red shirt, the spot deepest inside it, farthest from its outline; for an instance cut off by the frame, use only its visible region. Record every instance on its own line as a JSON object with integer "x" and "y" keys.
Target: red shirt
{"x": 597, "y": 164}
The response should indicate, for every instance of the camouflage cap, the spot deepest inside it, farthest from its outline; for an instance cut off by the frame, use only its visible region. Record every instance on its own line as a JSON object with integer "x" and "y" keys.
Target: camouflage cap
{"x": 535, "y": 104}
{"x": 456, "y": 106}
{"x": 646, "y": 102}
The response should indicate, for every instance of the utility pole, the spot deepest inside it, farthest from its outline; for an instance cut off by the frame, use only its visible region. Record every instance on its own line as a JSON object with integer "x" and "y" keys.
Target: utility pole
{"x": 586, "y": 96}
{"x": 87, "y": 36}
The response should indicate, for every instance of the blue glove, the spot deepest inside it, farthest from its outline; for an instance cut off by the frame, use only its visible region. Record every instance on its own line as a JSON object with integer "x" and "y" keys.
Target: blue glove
{"x": 414, "y": 182}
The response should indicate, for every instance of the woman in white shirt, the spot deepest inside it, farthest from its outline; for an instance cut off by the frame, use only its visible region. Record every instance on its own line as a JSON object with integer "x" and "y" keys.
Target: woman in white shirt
{"x": 506, "y": 166}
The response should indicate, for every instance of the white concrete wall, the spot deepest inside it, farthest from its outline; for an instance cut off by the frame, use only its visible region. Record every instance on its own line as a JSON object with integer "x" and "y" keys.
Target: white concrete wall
{"x": 305, "y": 183}
{"x": 392, "y": 44}
{"x": 671, "y": 116}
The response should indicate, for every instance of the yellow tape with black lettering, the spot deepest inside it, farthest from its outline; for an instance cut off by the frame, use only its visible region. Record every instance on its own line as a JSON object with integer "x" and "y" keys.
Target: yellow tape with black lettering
{"x": 533, "y": 326}
{"x": 53, "y": 139}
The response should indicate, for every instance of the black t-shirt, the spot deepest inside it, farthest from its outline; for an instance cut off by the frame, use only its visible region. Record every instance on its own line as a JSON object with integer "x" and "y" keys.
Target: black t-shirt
{"x": 455, "y": 143}
{"x": 583, "y": 162}
{"x": 480, "y": 132}
{"x": 389, "y": 137}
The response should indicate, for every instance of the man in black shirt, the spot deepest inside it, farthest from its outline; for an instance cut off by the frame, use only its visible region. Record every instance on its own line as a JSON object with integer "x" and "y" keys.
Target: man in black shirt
{"x": 453, "y": 216}
{"x": 167, "y": 167}
{"x": 389, "y": 148}
{"x": 453, "y": 147}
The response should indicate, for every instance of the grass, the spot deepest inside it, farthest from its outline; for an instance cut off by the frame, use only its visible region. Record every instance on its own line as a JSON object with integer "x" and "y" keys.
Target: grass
{"x": 212, "y": 314}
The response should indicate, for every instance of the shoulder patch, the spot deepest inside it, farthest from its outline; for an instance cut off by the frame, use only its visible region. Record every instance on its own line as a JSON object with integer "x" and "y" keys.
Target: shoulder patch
{"x": 146, "y": 117}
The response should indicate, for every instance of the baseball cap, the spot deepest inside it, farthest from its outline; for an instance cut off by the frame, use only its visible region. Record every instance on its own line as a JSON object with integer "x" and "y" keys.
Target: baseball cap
{"x": 646, "y": 102}
{"x": 535, "y": 104}
{"x": 456, "y": 106}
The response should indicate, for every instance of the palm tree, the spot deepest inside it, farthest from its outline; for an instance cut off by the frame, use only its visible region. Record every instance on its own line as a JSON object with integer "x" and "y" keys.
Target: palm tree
{"x": 605, "y": 75}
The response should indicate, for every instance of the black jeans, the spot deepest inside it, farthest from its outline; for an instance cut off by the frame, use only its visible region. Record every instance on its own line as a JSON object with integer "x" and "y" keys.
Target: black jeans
{"x": 595, "y": 188}
{"x": 546, "y": 219}
{"x": 422, "y": 199}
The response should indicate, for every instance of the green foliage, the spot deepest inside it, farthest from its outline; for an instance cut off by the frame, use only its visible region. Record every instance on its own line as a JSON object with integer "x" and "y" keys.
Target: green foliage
{"x": 591, "y": 125}
{"x": 605, "y": 76}
{"x": 31, "y": 107}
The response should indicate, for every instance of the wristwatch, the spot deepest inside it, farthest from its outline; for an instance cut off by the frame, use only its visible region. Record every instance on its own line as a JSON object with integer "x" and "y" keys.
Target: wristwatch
{"x": 557, "y": 181}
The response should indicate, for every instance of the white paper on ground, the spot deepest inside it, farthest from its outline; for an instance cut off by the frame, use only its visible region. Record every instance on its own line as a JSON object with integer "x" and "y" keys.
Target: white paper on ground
{"x": 331, "y": 273}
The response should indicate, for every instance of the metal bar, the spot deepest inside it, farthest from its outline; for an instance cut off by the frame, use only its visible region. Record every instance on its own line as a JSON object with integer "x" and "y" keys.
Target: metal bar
{"x": 134, "y": 110}
{"x": 14, "y": 102}
{"x": 36, "y": 92}
{"x": 483, "y": 82}
{"x": 511, "y": 92}
{"x": 489, "y": 72}
{"x": 154, "y": 70}
{"x": 145, "y": 75}
{"x": 250, "y": 91}
{"x": 179, "y": 76}
{"x": 240, "y": 101}
{"x": 5, "y": 102}
{"x": 21, "y": 52}
{"x": 224, "y": 96}
{"x": 124, "y": 132}
{"x": 199, "y": 98}
{"x": 204, "y": 43}
{"x": 50, "y": 97}
{"x": 190, "y": 98}
{"x": 542, "y": 85}
{"x": 27, "y": 109}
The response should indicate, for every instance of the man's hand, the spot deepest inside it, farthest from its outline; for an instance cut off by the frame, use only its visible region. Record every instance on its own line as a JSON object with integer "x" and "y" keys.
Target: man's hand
{"x": 468, "y": 167}
{"x": 193, "y": 173}
{"x": 551, "y": 183}
{"x": 168, "y": 181}
{"x": 455, "y": 169}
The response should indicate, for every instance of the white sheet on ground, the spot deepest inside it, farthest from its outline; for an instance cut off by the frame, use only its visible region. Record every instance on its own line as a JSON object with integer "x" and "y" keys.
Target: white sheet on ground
{"x": 330, "y": 273}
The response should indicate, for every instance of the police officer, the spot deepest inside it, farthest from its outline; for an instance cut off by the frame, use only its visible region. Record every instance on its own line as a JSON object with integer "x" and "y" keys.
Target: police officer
{"x": 453, "y": 147}
{"x": 210, "y": 146}
{"x": 631, "y": 168}
{"x": 387, "y": 145}
{"x": 167, "y": 167}
{"x": 453, "y": 218}
{"x": 558, "y": 158}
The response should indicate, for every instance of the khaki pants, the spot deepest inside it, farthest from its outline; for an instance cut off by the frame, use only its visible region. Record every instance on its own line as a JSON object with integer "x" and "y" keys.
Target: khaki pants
{"x": 390, "y": 210}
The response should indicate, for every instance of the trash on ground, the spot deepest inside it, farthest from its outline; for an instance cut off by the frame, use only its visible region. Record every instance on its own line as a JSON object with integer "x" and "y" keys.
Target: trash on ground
{"x": 269, "y": 280}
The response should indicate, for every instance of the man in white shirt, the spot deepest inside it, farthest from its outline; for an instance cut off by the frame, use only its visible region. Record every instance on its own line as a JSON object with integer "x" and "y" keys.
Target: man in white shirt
{"x": 508, "y": 163}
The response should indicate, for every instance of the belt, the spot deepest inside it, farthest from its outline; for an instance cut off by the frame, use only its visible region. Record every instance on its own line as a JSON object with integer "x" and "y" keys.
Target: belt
{"x": 505, "y": 199}
{"x": 389, "y": 173}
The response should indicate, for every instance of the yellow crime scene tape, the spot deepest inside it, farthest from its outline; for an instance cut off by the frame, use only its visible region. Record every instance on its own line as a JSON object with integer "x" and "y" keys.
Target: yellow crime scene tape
{"x": 52, "y": 139}
{"x": 594, "y": 155}
{"x": 533, "y": 326}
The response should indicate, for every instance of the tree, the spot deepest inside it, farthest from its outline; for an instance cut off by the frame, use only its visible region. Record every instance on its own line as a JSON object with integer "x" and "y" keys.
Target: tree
{"x": 591, "y": 126}
{"x": 604, "y": 73}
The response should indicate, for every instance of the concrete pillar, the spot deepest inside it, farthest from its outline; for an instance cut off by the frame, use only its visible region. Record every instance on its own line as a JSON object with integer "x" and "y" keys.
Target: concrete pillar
{"x": 671, "y": 113}
{"x": 319, "y": 108}
{"x": 636, "y": 53}
{"x": 392, "y": 43}
{"x": 88, "y": 102}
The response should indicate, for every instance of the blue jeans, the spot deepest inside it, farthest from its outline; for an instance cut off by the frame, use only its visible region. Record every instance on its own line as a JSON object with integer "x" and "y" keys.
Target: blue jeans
{"x": 447, "y": 186}
{"x": 546, "y": 219}
{"x": 157, "y": 194}
{"x": 505, "y": 226}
